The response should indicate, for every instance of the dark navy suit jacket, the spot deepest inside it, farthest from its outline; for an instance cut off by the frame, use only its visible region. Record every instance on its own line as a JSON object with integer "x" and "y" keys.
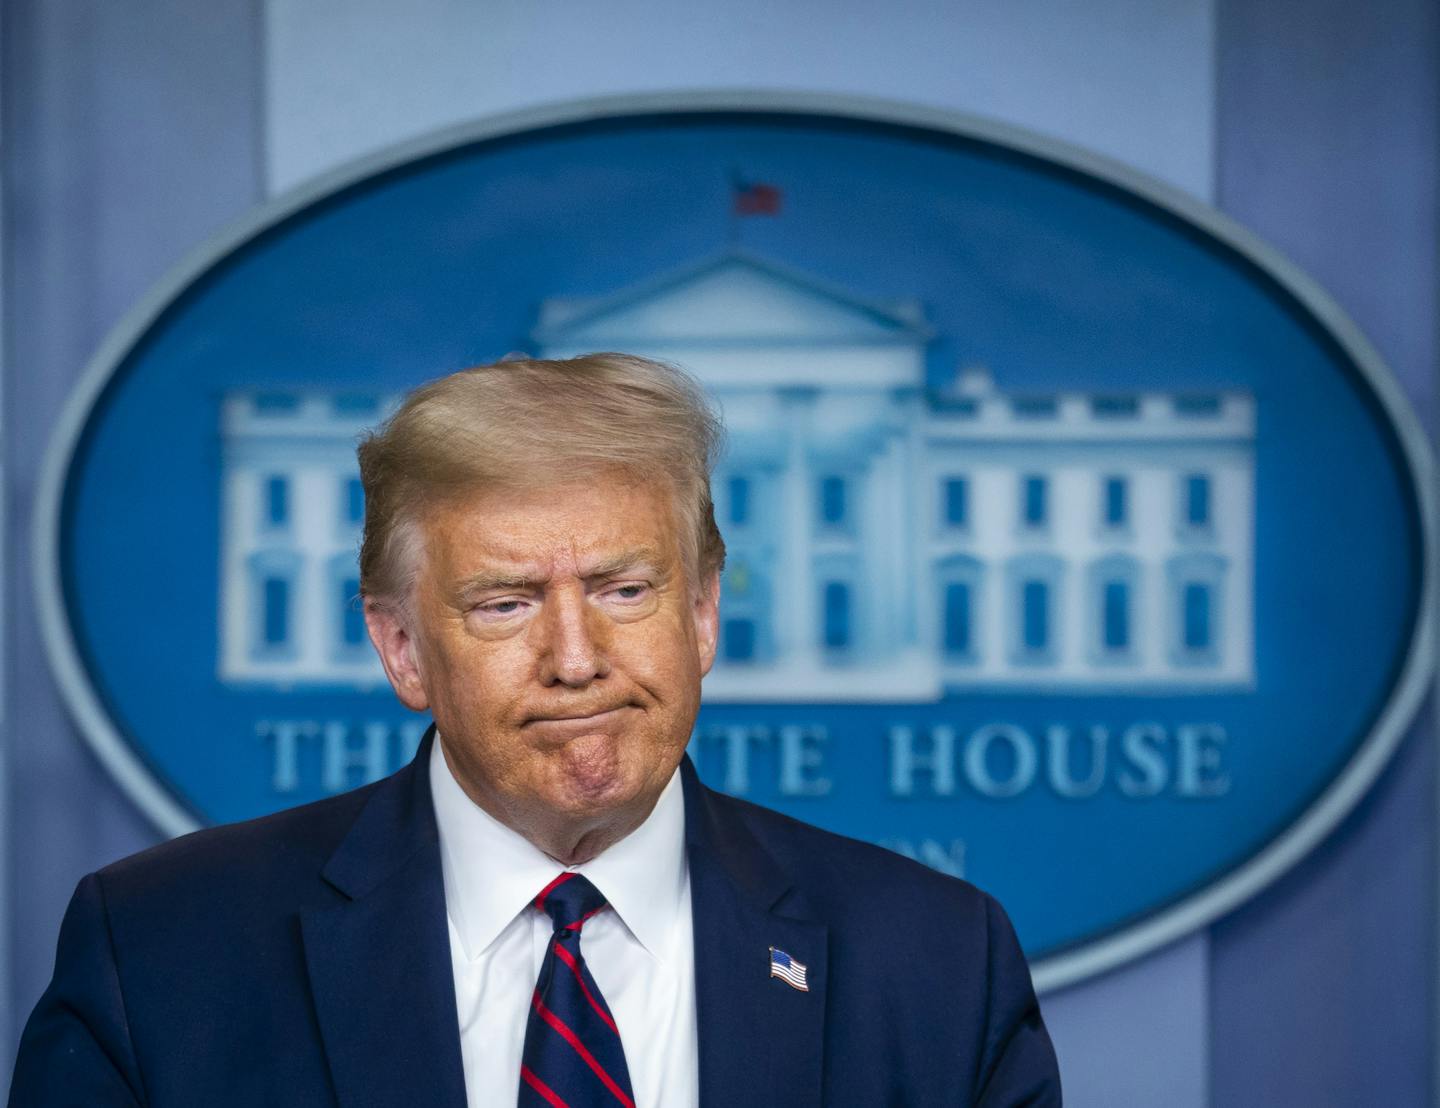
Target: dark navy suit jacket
{"x": 303, "y": 959}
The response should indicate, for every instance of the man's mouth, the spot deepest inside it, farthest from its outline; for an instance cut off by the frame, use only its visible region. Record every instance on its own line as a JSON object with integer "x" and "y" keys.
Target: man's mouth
{"x": 601, "y": 715}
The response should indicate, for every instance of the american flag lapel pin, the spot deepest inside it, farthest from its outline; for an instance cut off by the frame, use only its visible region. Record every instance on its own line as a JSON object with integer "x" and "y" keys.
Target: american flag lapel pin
{"x": 788, "y": 970}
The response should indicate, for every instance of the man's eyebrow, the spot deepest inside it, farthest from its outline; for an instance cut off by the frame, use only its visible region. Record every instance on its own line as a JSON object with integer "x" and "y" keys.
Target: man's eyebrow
{"x": 488, "y": 579}
{"x": 623, "y": 560}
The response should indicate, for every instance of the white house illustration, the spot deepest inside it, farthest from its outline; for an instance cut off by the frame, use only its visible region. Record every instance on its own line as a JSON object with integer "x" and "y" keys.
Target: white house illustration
{"x": 886, "y": 541}
{"x": 291, "y": 509}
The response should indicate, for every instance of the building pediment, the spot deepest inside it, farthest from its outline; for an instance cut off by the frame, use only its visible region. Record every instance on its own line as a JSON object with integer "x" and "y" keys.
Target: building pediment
{"x": 733, "y": 299}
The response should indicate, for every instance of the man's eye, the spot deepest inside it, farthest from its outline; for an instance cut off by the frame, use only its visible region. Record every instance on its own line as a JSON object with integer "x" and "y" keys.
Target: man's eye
{"x": 494, "y": 608}
{"x": 632, "y": 591}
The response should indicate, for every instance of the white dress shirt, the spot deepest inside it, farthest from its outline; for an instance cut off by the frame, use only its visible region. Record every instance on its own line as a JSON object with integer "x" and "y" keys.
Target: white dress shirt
{"x": 640, "y": 950}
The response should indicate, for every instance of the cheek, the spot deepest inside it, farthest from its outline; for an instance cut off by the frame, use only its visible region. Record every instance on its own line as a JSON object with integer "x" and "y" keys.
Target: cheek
{"x": 664, "y": 661}
{"x": 483, "y": 678}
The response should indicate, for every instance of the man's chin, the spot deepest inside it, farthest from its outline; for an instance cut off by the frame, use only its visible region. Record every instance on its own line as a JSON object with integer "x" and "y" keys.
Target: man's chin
{"x": 590, "y": 778}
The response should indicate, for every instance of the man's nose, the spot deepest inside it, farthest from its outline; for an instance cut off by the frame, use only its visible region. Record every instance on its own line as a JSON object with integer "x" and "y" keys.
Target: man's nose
{"x": 572, "y": 651}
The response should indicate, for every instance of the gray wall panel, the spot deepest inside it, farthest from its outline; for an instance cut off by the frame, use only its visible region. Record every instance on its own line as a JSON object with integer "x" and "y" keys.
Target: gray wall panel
{"x": 1129, "y": 78}
{"x": 131, "y": 132}
{"x": 1321, "y": 988}
{"x": 1137, "y": 1035}
{"x": 1328, "y": 135}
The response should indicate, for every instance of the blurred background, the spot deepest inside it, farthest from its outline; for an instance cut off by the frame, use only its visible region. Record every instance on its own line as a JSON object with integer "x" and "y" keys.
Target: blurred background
{"x": 135, "y": 132}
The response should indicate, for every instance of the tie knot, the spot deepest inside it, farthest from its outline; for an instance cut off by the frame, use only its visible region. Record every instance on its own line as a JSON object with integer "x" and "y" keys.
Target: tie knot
{"x": 569, "y": 901}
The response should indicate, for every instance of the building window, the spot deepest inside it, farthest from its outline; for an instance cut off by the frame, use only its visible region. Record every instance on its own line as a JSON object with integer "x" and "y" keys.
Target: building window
{"x": 277, "y": 501}
{"x": 354, "y": 500}
{"x": 1113, "y": 586}
{"x": 1196, "y": 608}
{"x": 1116, "y": 507}
{"x": 958, "y": 582}
{"x": 1034, "y": 588}
{"x": 746, "y": 632}
{"x": 739, "y": 639}
{"x": 832, "y": 501}
{"x": 1035, "y": 617}
{"x": 276, "y": 618}
{"x": 739, "y": 493}
{"x": 955, "y": 502}
{"x": 957, "y": 636}
{"x": 1033, "y": 497}
{"x": 1115, "y": 634}
{"x": 345, "y": 629}
{"x": 352, "y": 613}
{"x": 1197, "y": 502}
{"x": 274, "y": 604}
{"x": 836, "y": 630}
{"x": 1196, "y": 617}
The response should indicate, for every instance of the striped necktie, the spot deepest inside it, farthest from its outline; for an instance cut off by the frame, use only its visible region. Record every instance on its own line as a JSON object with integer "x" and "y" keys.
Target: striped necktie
{"x": 572, "y": 1056}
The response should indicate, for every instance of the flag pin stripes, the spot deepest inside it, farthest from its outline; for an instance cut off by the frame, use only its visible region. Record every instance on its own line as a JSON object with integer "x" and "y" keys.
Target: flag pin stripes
{"x": 788, "y": 970}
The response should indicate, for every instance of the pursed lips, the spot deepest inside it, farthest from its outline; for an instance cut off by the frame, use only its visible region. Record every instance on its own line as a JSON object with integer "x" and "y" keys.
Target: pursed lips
{"x": 601, "y": 716}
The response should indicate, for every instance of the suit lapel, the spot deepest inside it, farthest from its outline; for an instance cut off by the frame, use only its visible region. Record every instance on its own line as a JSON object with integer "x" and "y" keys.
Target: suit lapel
{"x": 761, "y": 1041}
{"x": 379, "y": 962}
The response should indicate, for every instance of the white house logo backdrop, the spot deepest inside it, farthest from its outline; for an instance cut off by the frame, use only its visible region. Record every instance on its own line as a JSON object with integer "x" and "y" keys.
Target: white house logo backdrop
{"x": 1076, "y": 544}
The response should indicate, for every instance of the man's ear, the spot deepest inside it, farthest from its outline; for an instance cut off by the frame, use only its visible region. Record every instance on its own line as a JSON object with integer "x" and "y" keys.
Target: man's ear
{"x": 390, "y": 634}
{"x": 707, "y": 621}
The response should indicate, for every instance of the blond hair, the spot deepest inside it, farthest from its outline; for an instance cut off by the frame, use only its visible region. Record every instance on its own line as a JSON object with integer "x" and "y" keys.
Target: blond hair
{"x": 530, "y": 421}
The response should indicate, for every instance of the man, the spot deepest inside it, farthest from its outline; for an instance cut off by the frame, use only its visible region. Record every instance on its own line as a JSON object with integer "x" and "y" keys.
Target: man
{"x": 546, "y": 907}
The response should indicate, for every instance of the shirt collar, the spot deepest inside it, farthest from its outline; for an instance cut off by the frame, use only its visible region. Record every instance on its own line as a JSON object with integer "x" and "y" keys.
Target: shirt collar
{"x": 492, "y": 873}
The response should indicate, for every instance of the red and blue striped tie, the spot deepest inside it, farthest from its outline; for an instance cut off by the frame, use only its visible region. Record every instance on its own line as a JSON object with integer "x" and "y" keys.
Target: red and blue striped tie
{"x": 572, "y": 1056}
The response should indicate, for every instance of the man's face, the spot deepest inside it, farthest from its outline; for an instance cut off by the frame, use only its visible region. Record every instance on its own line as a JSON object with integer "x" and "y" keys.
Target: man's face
{"x": 556, "y": 637}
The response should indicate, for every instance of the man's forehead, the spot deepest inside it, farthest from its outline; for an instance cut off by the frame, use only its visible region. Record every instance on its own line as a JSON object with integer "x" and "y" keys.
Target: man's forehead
{"x": 538, "y": 533}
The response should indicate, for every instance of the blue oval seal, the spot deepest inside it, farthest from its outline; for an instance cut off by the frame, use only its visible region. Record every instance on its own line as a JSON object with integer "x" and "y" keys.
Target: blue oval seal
{"x": 1079, "y": 544}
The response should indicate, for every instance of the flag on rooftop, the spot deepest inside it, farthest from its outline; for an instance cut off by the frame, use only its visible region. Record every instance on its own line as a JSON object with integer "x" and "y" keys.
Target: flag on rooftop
{"x": 755, "y": 197}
